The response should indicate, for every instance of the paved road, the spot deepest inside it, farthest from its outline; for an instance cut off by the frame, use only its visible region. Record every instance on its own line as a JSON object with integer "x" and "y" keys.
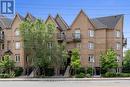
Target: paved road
{"x": 101, "y": 83}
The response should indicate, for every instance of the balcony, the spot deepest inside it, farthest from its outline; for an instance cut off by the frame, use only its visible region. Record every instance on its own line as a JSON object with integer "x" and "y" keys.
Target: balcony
{"x": 77, "y": 37}
{"x": 60, "y": 37}
{"x": 124, "y": 41}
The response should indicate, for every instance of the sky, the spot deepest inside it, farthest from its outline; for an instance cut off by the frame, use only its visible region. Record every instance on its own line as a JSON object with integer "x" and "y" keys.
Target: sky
{"x": 68, "y": 9}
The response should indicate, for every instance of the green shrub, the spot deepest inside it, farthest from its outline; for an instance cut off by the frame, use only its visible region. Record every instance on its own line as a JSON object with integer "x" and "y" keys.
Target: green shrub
{"x": 12, "y": 75}
{"x": 5, "y": 75}
{"x": 88, "y": 75}
{"x": 1, "y": 75}
{"x": 81, "y": 75}
{"x": 110, "y": 74}
{"x": 123, "y": 75}
{"x": 49, "y": 71}
{"x": 18, "y": 71}
{"x": 90, "y": 71}
{"x": 80, "y": 70}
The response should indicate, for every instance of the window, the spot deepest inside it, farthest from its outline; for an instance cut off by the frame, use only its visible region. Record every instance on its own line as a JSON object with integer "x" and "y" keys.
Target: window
{"x": 17, "y": 32}
{"x": 91, "y": 45}
{"x": 91, "y": 58}
{"x": 17, "y": 58}
{"x": 118, "y": 34}
{"x": 17, "y": 45}
{"x": 78, "y": 45}
{"x": 2, "y": 35}
{"x": 77, "y": 34}
{"x": 118, "y": 58}
{"x": 2, "y": 46}
{"x": 49, "y": 45}
{"x": 8, "y": 45}
{"x": 118, "y": 46}
{"x": 91, "y": 33}
{"x": 27, "y": 58}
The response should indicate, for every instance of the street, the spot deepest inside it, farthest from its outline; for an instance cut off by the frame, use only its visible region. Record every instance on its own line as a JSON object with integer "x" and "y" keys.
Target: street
{"x": 94, "y": 83}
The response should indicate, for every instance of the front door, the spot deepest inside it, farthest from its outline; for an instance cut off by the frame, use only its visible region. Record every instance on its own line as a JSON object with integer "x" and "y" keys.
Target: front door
{"x": 98, "y": 71}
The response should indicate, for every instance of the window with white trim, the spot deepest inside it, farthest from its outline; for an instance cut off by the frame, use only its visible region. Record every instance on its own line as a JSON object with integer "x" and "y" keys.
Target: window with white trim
{"x": 118, "y": 34}
{"x": 90, "y": 45}
{"x": 91, "y": 33}
{"x": 118, "y": 46}
{"x": 17, "y": 45}
{"x": 77, "y": 34}
{"x": 91, "y": 58}
{"x": 17, "y": 58}
{"x": 17, "y": 32}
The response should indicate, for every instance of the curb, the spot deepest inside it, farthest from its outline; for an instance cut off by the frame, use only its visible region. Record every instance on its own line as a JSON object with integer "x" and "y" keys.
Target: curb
{"x": 62, "y": 79}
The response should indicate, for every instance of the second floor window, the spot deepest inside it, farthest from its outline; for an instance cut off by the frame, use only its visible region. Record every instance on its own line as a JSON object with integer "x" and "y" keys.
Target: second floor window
{"x": 8, "y": 45}
{"x": 118, "y": 46}
{"x": 90, "y": 45}
{"x": 91, "y": 58}
{"x": 91, "y": 33}
{"x": 17, "y": 45}
{"x": 2, "y": 46}
{"x": 17, "y": 32}
{"x": 118, "y": 34}
{"x": 17, "y": 58}
{"x": 77, "y": 34}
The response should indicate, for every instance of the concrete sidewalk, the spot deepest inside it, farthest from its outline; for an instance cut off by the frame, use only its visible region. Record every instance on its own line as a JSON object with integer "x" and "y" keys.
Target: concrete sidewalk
{"x": 61, "y": 79}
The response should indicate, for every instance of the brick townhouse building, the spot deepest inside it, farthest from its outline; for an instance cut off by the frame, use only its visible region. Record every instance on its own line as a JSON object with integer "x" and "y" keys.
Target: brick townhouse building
{"x": 90, "y": 35}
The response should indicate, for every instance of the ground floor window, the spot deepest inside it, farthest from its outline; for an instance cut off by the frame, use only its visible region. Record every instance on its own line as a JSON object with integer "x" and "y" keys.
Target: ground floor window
{"x": 17, "y": 58}
{"x": 91, "y": 58}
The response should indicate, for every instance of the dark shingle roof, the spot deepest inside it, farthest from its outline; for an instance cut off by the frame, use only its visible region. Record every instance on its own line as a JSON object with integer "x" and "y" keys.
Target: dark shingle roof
{"x": 106, "y": 22}
{"x": 61, "y": 22}
{"x": 20, "y": 16}
{"x": 30, "y": 16}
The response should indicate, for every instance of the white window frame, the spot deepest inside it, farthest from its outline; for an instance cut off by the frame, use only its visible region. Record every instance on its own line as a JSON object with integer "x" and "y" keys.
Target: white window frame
{"x": 90, "y": 45}
{"x": 17, "y": 32}
{"x": 91, "y": 58}
{"x": 118, "y": 33}
{"x": 91, "y": 33}
{"x": 77, "y": 33}
{"x": 118, "y": 46}
{"x": 17, "y": 57}
{"x": 17, "y": 45}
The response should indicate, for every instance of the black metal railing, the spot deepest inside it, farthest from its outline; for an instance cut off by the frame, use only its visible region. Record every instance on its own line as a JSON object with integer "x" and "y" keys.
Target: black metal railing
{"x": 76, "y": 36}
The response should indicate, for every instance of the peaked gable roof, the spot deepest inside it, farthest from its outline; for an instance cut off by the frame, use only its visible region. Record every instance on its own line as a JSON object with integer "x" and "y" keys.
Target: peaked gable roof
{"x": 106, "y": 22}
{"x": 29, "y": 15}
{"x": 4, "y": 22}
{"x": 21, "y": 18}
{"x": 82, "y": 12}
{"x": 60, "y": 20}
{"x": 53, "y": 20}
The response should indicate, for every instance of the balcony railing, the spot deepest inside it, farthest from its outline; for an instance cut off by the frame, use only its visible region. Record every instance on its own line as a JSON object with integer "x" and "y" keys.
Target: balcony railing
{"x": 124, "y": 41}
{"x": 73, "y": 37}
{"x": 76, "y": 36}
{"x": 60, "y": 36}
